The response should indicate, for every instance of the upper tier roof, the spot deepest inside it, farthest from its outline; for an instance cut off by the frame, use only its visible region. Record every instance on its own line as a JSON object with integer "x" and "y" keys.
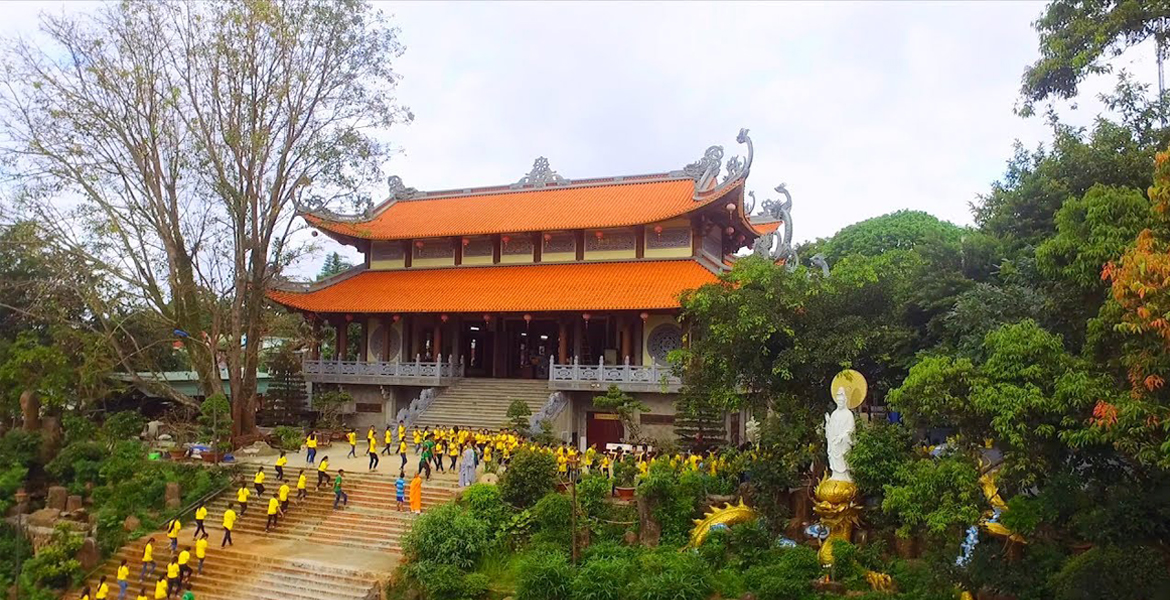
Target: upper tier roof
{"x": 586, "y": 206}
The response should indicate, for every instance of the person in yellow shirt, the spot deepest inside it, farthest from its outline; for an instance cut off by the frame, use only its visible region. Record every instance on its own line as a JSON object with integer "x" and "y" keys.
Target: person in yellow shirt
{"x": 322, "y": 472}
{"x": 453, "y": 452}
{"x": 283, "y": 494}
{"x": 258, "y": 480}
{"x": 103, "y": 589}
{"x": 85, "y": 593}
{"x": 142, "y": 594}
{"x": 200, "y": 515}
{"x": 123, "y": 579}
{"x": 147, "y": 559}
{"x": 402, "y": 452}
{"x": 439, "y": 451}
{"x": 273, "y": 512}
{"x": 302, "y": 493}
{"x": 281, "y": 461}
{"x": 184, "y": 568}
{"x": 606, "y": 462}
{"x": 242, "y": 497}
{"x": 173, "y": 533}
{"x": 562, "y": 465}
{"x": 201, "y": 552}
{"x": 487, "y": 456}
{"x": 417, "y": 440}
{"x": 160, "y": 589}
{"x": 372, "y": 451}
{"x": 388, "y": 440}
{"x": 401, "y": 430}
{"x": 351, "y": 437}
{"x": 172, "y": 576}
{"x": 229, "y": 521}
{"x": 311, "y": 447}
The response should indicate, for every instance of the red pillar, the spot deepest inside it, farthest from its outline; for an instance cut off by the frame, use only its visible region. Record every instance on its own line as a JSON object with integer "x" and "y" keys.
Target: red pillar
{"x": 438, "y": 347}
{"x": 562, "y": 343}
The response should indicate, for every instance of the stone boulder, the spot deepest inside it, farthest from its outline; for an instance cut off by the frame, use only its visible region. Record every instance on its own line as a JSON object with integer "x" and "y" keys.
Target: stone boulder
{"x": 89, "y": 556}
{"x": 57, "y": 498}
{"x": 258, "y": 448}
{"x": 132, "y": 523}
{"x": 44, "y": 517}
{"x": 174, "y": 496}
{"x": 489, "y": 478}
{"x": 30, "y": 410}
{"x": 73, "y": 503}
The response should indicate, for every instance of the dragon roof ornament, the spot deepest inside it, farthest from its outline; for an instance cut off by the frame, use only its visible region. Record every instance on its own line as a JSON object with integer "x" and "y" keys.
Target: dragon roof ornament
{"x": 705, "y": 171}
{"x": 541, "y": 175}
{"x": 398, "y": 190}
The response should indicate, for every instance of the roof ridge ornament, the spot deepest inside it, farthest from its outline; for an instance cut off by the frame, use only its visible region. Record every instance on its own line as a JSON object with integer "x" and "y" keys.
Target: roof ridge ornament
{"x": 705, "y": 171}
{"x": 398, "y": 190}
{"x": 774, "y": 244}
{"x": 541, "y": 175}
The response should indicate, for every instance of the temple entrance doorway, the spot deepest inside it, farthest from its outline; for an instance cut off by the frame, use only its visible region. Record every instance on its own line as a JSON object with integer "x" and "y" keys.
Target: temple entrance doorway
{"x": 530, "y": 346}
{"x": 602, "y": 428}
{"x": 476, "y": 348}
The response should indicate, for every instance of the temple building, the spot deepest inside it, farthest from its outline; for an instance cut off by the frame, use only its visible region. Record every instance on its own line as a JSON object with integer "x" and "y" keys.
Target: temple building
{"x": 547, "y": 290}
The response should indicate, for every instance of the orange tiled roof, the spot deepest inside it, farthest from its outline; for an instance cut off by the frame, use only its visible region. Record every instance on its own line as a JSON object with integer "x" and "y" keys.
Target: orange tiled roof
{"x": 767, "y": 227}
{"x": 544, "y": 209}
{"x": 521, "y": 288}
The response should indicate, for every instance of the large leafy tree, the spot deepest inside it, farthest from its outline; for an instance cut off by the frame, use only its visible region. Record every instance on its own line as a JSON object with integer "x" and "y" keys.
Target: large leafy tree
{"x": 182, "y": 135}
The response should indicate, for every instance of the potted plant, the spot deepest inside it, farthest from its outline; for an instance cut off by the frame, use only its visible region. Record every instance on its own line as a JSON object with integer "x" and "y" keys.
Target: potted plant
{"x": 182, "y": 432}
{"x": 215, "y": 426}
{"x": 329, "y": 407}
{"x": 624, "y": 472}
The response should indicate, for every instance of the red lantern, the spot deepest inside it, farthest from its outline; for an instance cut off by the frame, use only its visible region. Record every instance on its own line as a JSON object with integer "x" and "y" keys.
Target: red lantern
{"x": 740, "y": 238}
{"x": 178, "y": 345}
{"x": 599, "y": 234}
{"x": 644, "y": 315}
{"x": 548, "y": 237}
{"x": 466, "y": 241}
{"x": 443, "y": 318}
{"x": 730, "y": 207}
{"x": 658, "y": 229}
{"x": 586, "y": 316}
{"x": 419, "y": 244}
{"x": 487, "y": 318}
{"x": 395, "y": 318}
{"x": 730, "y": 230}
{"x": 506, "y": 239}
{"x": 348, "y": 318}
{"x": 527, "y": 318}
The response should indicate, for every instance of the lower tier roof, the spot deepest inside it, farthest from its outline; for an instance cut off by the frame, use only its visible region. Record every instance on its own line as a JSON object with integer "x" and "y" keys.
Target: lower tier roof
{"x": 636, "y": 285}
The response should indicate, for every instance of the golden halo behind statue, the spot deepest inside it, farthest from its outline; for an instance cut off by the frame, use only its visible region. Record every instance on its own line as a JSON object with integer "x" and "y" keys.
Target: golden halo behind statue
{"x": 854, "y": 384}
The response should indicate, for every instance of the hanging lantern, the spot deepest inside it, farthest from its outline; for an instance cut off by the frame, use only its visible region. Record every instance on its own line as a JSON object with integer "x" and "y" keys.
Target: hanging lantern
{"x": 527, "y": 318}
{"x": 314, "y": 234}
{"x": 419, "y": 244}
{"x": 645, "y": 315}
{"x": 548, "y": 237}
{"x": 730, "y": 207}
{"x": 506, "y": 239}
{"x": 348, "y": 318}
{"x": 730, "y": 230}
{"x": 466, "y": 242}
{"x": 599, "y": 234}
{"x": 486, "y": 318}
{"x": 586, "y": 316}
{"x": 740, "y": 238}
{"x": 443, "y": 318}
{"x": 395, "y": 318}
{"x": 658, "y": 230}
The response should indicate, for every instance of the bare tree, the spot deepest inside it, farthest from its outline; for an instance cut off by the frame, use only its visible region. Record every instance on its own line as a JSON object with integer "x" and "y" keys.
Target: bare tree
{"x": 166, "y": 145}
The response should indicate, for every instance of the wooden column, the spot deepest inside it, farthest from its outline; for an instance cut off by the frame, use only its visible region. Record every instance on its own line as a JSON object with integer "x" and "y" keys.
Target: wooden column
{"x": 437, "y": 349}
{"x": 624, "y": 328}
{"x": 342, "y": 339}
{"x": 562, "y": 342}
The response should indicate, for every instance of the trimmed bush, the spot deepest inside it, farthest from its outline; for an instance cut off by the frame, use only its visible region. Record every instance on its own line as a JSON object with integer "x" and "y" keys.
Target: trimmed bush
{"x": 447, "y": 535}
{"x": 603, "y": 579}
{"x": 553, "y": 517}
{"x": 1113, "y": 572}
{"x": 486, "y": 503}
{"x": 529, "y": 477}
{"x": 545, "y": 576}
{"x": 667, "y": 574}
{"x": 789, "y": 577}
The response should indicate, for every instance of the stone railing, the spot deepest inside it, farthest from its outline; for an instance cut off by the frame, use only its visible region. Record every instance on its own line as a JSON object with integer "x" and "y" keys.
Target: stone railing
{"x": 628, "y": 378}
{"x": 438, "y": 373}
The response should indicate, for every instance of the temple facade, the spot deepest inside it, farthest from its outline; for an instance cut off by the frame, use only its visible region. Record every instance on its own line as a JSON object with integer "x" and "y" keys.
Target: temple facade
{"x": 547, "y": 290}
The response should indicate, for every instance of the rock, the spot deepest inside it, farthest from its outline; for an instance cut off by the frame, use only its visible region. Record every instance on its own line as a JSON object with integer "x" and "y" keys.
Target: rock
{"x": 44, "y": 517}
{"x": 630, "y": 538}
{"x": 174, "y": 496}
{"x": 30, "y": 410}
{"x": 258, "y": 448}
{"x": 73, "y": 503}
{"x": 57, "y": 498}
{"x": 89, "y": 556}
{"x": 650, "y": 529}
{"x": 166, "y": 437}
{"x": 132, "y": 523}
{"x": 489, "y": 478}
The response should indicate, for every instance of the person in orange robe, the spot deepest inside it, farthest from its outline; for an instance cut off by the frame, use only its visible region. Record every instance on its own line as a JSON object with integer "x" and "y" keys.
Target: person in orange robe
{"x": 416, "y": 494}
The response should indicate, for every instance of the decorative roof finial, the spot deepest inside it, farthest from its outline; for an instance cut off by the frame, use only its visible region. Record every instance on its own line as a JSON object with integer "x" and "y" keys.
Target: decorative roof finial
{"x": 398, "y": 190}
{"x": 540, "y": 175}
{"x": 706, "y": 169}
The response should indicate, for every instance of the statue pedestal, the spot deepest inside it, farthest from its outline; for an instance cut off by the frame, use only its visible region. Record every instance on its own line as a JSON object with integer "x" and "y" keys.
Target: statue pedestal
{"x": 838, "y": 509}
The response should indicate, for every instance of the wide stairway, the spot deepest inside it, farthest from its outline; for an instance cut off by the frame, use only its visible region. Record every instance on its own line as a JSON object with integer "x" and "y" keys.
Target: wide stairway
{"x": 315, "y": 552}
{"x": 480, "y": 403}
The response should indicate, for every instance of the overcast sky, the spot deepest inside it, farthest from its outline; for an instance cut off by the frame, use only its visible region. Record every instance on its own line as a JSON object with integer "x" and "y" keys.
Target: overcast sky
{"x": 861, "y": 108}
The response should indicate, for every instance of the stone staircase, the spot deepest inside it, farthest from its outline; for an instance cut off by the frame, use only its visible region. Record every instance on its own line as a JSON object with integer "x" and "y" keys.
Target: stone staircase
{"x": 480, "y": 403}
{"x": 315, "y": 552}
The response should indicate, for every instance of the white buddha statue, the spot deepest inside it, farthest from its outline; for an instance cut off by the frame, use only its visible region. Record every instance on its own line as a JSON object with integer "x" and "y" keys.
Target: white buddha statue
{"x": 839, "y": 436}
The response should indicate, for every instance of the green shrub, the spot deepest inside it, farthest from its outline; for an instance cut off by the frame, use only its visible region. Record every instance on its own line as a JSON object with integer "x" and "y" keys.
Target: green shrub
{"x": 603, "y": 579}
{"x": 667, "y": 574}
{"x": 1114, "y": 572}
{"x": 486, "y": 503}
{"x": 447, "y": 535}
{"x": 611, "y": 550}
{"x": 789, "y": 577}
{"x": 215, "y": 422}
{"x": 749, "y": 543}
{"x": 518, "y": 414}
{"x": 878, "y": 450}
{"x": 592, "y": 492}
{"x": 545, "y": 575}
{"x": 289, "y": 438}
{"x": 673, "y": 500}
{"x": 77, "y": 464}
{"x": 121, "y": 426}
{"x": 54, "y": 566}
{"x": 12, "y": 545}
{"x": 78, "y": 428}
{"x": 529, "y": 477}
{"x": 445, "y": 582}
{"x": 729, "y": 583}
{"x": 553, "y": 516}
{"x": 20, "y": 447}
